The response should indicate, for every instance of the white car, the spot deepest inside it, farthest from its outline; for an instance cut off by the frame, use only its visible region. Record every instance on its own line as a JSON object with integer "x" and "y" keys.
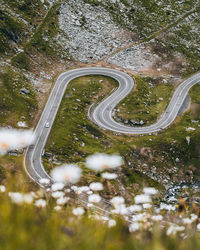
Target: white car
{"x": 47, "y": 125}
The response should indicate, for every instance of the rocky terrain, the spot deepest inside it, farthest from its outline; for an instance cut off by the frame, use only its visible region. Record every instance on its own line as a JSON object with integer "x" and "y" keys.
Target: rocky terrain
{"x": 91, "y": 31}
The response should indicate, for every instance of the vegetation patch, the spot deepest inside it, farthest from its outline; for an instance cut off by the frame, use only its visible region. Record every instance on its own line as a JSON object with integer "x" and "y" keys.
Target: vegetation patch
{"x": 11, "y": 31}
{"x": 17, "y": 99}
{"x": 74, "y": 137}
{"x": 145, "y": 103}
{"x": 44, "y": 39}
{"x": 165, "y": 157}
{"x": 144, "y": 17}
{"x": 29, "y": 9}
{"x": 169, "y": 152}
{"x": 179, "y": 46}
{"x": 21, "y": 61}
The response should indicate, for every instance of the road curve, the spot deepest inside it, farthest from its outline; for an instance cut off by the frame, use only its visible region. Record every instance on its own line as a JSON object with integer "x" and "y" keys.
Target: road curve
{"x": 102, "y": 114}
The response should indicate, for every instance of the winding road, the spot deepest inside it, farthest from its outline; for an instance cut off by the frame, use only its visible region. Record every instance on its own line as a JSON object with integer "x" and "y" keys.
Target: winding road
{"x": 102, "y": 114}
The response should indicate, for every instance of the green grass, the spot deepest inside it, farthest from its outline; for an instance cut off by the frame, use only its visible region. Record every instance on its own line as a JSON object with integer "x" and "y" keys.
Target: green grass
{"x": 73, "y": 137}
{"x": 18, "y": 21}
{"x": 29, "y": 9}
{"x": 11, "y": 31}
{"x": 43, "y": 44}
{"x": 21, "y": 61}
{"x": 143, "y": 102}
{"x": 13, "y": 105}
{"x": 171, "y": 143}
{"x": 43, "y": 40}
{"x": 144, "y": 17}
{"x": 182, "y": 42}
{"x": 28, "y": 227}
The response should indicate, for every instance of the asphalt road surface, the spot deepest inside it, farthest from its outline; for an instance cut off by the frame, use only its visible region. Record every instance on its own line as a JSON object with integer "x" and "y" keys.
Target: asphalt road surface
{"x": 102, "y": 114}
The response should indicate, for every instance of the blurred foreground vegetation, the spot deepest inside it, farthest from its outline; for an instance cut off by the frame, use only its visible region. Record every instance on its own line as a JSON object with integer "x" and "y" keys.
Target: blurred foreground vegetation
{"x": 28, "y": 227}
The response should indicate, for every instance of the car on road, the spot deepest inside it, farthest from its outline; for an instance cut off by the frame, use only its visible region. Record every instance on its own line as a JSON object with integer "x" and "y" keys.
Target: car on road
{"x": 47, "y": 125}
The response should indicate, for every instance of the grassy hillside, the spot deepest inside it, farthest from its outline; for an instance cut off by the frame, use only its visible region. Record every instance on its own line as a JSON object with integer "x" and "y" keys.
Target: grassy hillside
{"x": 73, "y": 137}
{"x": 34, "y": 50}
{"x": 15, "y": 105}
{"x": 146, "y": 102}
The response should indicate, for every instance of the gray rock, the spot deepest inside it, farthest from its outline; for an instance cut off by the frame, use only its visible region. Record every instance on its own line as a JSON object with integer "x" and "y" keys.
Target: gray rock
{"x": 24, "y": 91}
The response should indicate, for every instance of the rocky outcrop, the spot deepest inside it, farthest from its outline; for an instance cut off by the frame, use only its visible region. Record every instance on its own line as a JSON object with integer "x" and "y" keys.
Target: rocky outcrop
{"x": 90, "y": 31}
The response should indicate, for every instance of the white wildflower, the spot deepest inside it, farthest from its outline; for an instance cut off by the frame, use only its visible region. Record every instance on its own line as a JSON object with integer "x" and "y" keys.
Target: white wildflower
{"x": 90, "y": 205}
{"x": 66, "y": 174}
{"x": 57, "y": 194}
{"x": 104, "y": 218}
{"x": 44, "y": 181}
{"x": 134, "y": 208}
{"x": 147, "y": 206}
{"x": 193, "y": 217}
{"x": 188, "y": 139}
{"x": 82, "y": 189}
{"x": 28, "y": 198}
{"x": 101, "y": 218}
{"x": 12, "y": 139}
{"x": 158, "y": 217}
{"x": 120, "y": 209}
{"x": 74, "y": 188}
{"x": 169, "y": 207}
{"x": 62, "y": 200}
{"x": 96, "y": 186}
{"x": 140, "y": 217}
{"x": 157, "y": 210}
{"x": 150, "y": 191}
{"x": 94, "y": 198}
{"x": 57, "y": 208}
{"x": 187, "y": 221}
{"x": 198, "y": 227}
{"x": 78, "y": 211}
{"x": 134, "y": 227}
{"x": 102, "y": 161}
{"x": 57, "y": 186}
{"x": 109, "y": 176}
{"x": 111, "y": 223}
{"x": 117, "y": 200}
{"x": 2, "y": 188}
{"x": 190, "y": 129}
{"x": 173, "y": 229}
{"x": 89, "y": 192}
{"x": 40, "y": 203}
{"x": 16, "y": 197}
{"x": 142, "y": 198}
